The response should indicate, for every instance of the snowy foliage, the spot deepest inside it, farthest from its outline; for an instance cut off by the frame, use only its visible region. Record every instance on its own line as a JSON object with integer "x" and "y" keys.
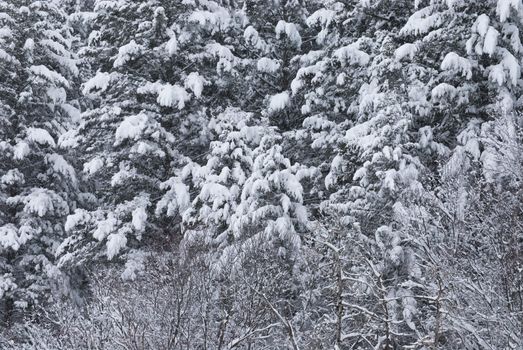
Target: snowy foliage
{"x": 276, "y": 174}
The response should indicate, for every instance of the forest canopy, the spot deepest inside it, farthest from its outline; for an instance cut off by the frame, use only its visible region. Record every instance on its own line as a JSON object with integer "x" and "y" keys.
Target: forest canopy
{"x": 248, "y": 174}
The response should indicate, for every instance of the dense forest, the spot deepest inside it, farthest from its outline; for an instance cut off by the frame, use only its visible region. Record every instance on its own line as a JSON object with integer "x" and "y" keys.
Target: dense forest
{"x": 261, "y": 174}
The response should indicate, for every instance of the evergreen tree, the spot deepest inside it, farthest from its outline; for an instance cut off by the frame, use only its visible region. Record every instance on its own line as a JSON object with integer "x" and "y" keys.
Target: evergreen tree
{"x": 38, "y": 184}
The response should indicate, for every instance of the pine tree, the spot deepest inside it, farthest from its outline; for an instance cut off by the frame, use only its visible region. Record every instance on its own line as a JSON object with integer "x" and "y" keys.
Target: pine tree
{"x": 274, "y": 37}
{"x": 38, "y": 184}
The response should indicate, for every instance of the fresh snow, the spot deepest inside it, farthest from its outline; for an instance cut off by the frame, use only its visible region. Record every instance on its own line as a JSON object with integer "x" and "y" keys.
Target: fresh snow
{"x": 226, "y": 59}
{"x": 481, "y": 26}
{"x": 100, "y": 82}
{"x": 491, "y": 41}
{"x": 127, "y": 53}
{"x": 80, "y": 216}
{"x": 50, "y": 75}
{"x": 504, "y": 7}
{"x": 40, "y": 136}
{"x": 21, "y": 150}
{"x": 93, "y": 166}
{"x": 61, "y": 166}
{"x": 115, "y": 243}
{"x": 453, "y": 61}
{"x": 279, "y": 101}
{"x": 131, "y": 128}
{"x": 217, "y": 20}
{"x": 42, "y": 202}
{"x": 195, "y": 82}
{"x": 421, "y": 22}
{"x": 352, "y": 55}
{"x": 267, "y": 65}
{"x": 290, "y": 31}
{"x": 406, "y": 50}
{"x": 175, "y": 95}
{"x": 172, "y": 45}
{"x": 443, "y": 91}
{"x": 139, "y": 219}
{"x": 230, "y": 161}
{"x": 11, "y": 177}
{"x": 9, "y": 237}
{"x": 105, "y": 227}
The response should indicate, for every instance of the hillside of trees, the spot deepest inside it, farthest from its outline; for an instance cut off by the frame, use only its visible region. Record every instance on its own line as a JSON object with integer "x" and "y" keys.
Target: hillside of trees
{"x": 261, "y": 174}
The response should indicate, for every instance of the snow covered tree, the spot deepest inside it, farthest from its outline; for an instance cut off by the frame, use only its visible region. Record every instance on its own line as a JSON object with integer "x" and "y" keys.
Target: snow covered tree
{"x": 126, "y": 137}
{"x": 38, "y": 185}
{"x": 275, "y": 36}
{"x": 275, "y": 174}
{"x": 152, "y": 95}
{"x": 220, "y": 181}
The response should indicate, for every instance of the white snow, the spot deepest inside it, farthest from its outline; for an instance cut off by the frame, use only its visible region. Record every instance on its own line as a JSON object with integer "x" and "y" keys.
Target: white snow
{"x": 453, "y": 61}
{"x": 49, "y": 75}
{"x": 131, "y": 128}
{"x": 443, "y": 91}
{"x": 340, "y": 79}
{"x": 5, "y": 32}
{"x": 127, "y": 53}
{"x": 336, "y": 167}
{"x": 105, "y": 227}
{"x": 511, "y": 66}
{"x": 69, "y": 139}
{"x": 389, "y": 180}
{"x": 267, "y": 65}
{"x": 21, "y": 150}
{"x": 40, "y": 202}
{"x": 421, "y": 22}
{"x": 216, "y": 20}
{"x": 298, "y": 82}
{"x": 279, "y": 101}
{"x": 508, "y": 68}
{"x": 491, "y": 41}
{"x": 115, "y": 243}
{"x": 93, "y": 166}
{"x": 9, "y": 237}
{"x": 61, "y": 166}
{"x": 173, "y": 95}
{"x": 29, "y": 44}
{"x": 11, "y": 177}
{"x": 40, "y": 136}
{"x": 150, "y": 88}
{"x": 100, "y": 82}
{"x": 226, "y": 59}
{"x": 176, "y": 200}
{"x": 80, "y": 216}
{"x": 504, "y": 7}
{"x": 215, "y": 193}
{"x": 139, "y": 219}
{"x": 251, "y": 35}
{"x": 406, "y": 50}
{"x": 4, "y": 56}
{"x": 323, "y": 17}
{"x": 352, "y": 55}
{"x": 122, "y": 175}
{"x": 481, "y": 25}
{"x": 73, "y": 112}
{"x": 133, "y": 265}
{"x": 290, "y": 30}
{"x": 515, "y": 41}
{"x": 497, "y": 74}
{"x": 172, "y": 46}
{"x": 195, "y": 83}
